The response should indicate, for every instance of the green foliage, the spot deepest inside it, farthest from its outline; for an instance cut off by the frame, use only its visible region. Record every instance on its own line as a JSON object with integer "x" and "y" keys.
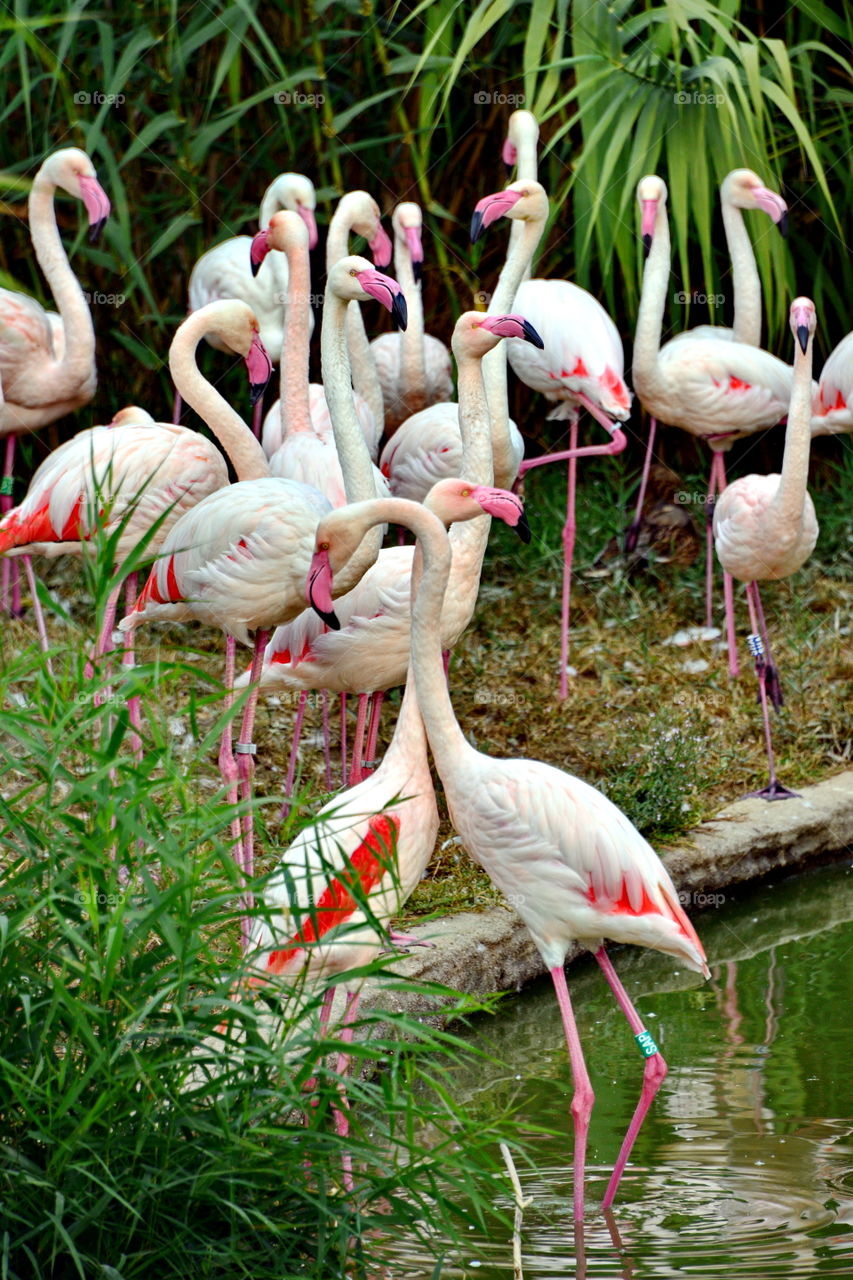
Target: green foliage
{"x": 657, "y": 773}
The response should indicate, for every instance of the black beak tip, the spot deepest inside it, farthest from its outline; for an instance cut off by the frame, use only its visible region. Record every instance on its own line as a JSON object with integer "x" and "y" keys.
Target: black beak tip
{"x": 256, "y": 390}
{"x": 330, "y": 618}
{"x": 256, "y": 266}
{"x": 509, "y": 168}
{"x": 782, "y": 224}
{"x": 476, "y": 227}
{"x": 523, "y": 528}
{"x": 532, "y": 336}
{"x": 803, "y": 337}
{"x": 95, "y": 230}
{"x": 647, "y": 245}
{"x": 417, "y": 271}
{"x": 399, "y": 311}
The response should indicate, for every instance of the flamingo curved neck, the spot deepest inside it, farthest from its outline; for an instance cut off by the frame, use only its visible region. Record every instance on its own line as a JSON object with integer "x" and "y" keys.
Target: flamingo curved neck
{"x": 245, "y": 452}
{"x": 365, "y": 379}
{"x": 294, "y": 399}
{"x": 526, "y": 143}
{"x": 746, "y": 285}
{"x": 412, "y": 357}
{"x": 645, "y": 370}
{"x": 789, "y": 499}
{"x": 78, "y": 359}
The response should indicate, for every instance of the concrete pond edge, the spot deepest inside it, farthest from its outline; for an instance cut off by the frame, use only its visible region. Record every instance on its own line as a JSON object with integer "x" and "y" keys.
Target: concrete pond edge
{"x": 481, "y": 953}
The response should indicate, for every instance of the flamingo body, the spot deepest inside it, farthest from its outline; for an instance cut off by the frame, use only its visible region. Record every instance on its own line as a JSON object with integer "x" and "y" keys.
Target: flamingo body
{"x": 832, "y": 406}
{"x": 387, "y": 352}
{"x": 314, "y": 461}
{"x": 321, "y": 421}
{"x": 743, "y": 548}
{"x": 428, "y": 448}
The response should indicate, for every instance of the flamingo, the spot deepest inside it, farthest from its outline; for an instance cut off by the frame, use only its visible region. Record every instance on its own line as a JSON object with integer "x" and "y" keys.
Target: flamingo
{"x": 302, "y": 455}
{"x": 765, "y": 526}
{"x": 378, "y": 835}
{"x": 580, "y": 365}
{"x": 413, "y": 368}
{"x": 238, "y": 560}
{"x": 225, "y": 271}
{"x": 718, "y": 391}
{"x": 741, "y": 189}
{"x": 47, "y": 361}
{"x": 135, "y": 477}
{"x": 571, "y": 861}
{"x": 369, "y": 653}
{"x": 357, "y": 213}
{"x": 832, "y": 406}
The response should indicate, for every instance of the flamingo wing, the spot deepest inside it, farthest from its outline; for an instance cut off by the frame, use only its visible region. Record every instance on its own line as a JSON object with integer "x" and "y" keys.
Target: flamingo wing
{"x": 832, "y": 406}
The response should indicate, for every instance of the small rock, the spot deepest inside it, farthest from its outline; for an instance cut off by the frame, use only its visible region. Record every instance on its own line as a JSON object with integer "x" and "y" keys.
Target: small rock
{"x": 690, "y": 635}
{"x": 694, "y": 666}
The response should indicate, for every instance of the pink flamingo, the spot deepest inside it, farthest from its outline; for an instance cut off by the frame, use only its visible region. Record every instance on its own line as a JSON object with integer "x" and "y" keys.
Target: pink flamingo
{"x": 47, "y": 361}
{"x": 572, "y": 863}
{"x": 580, "y": 364}
{"x": 303, "y": 454}
{"x": 369, "y": 653}
{"x": 357, "y": 213}
{"x": 225, "y": 271}
{"x": 238, "y": 560}
{"x": 379, "y": 835}
{"x": 718, "y": 390}
{"x": 135, "y": 477}
{"x": 765, "y": 526}
{"x": 413, "y": 367}
{"x": 832, "y": 407}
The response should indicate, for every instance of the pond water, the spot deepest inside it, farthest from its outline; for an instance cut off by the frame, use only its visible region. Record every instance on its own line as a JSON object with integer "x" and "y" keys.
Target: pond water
{"x": 744, "y": 1166}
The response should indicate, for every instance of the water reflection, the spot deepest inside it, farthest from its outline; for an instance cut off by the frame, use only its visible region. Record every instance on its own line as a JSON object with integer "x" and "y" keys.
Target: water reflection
{"x": 745, "y": 1164}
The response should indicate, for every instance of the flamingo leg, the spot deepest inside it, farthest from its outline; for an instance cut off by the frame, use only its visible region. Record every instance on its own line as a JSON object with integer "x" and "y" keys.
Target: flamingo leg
{"x": 771, "y": 671}
{"x": 245, "y": 751}
{"x": 103, "y": 640}
{"x": 343, "y": 739}
{"x": 227, "y": 763}
{"x": 633, "y": 531}
{"x": 134, "y": 705}
{"x": 37, "y": 609}
{"x": 568, "y": 555}
{"x": 327, "y": 740}
{"x": 372, "y": 732}
{"x": 583, "y": 1097}
{"x": 654, "y": 1072}
{"x": 728, "y": 583}
{"x": 10, "y": 569}
{"x": 358, "y": 740}
{"x": 341, "y": 1069}
{"x": 294, "y": 751}
{"x": 766, "y": 674}
{"x": 709, "y": 542}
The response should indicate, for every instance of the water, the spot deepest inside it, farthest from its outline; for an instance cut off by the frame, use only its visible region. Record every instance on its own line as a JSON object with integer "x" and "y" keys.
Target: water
{"x": 744, "y": 1166}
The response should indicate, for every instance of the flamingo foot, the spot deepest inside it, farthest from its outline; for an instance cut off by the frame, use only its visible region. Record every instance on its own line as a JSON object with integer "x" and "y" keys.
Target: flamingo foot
{"x": 402, "y": 942}
{"x": 773, "y": 791}
{"x": 773, "y": 686}
{"x": 632, "y": 535}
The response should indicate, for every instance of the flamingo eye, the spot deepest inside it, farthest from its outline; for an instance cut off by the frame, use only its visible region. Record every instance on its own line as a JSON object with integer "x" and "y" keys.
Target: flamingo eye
{"x": 323, "y": 546}
{"x": 466, "y": 493}
{"x": 353, "y": 272}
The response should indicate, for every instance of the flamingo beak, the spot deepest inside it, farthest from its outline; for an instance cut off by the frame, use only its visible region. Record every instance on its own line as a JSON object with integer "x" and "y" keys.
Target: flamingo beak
{"x": 504, "y": 506}
{"x": 381, "y": 247}
{"x": 97, "y": 205}
{"x": 489, "y": 209}
{"x": 416, "y": 251}
{"x": 531, "y": 335}
{"x": 782, "y": 224}
{"x": 388, "y": 292}
{"x": 307, "y": 216}
{"x": 773, "y": 205}
{"x": 509, "y": 155}
{"x": 258, "y": 250}
{"x": 803, "y": 337}
{"x": 650, "y": 209}
{"x": 318, "y": 590}
{"x": 259, "y": 366}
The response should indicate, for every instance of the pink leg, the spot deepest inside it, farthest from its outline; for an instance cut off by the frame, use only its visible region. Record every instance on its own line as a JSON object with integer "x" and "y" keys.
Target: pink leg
{"x": 245, "y": 751}
{"x": 294, "y": 751}
{"x": 343, "y": 739}
{"x": 327, "y": 740}
{"x": 654, "y": 1072}
{"x": 774, "y": 789}
{"x": 717, "y": 484}
{"x": 358, "y": 740}
{"x": 341, "y": 1068}
{"x": 11, "y": 573}
{"x": 37, "y": 610}
{"x": 568, "y": 554}
{"x": 634, "y": 527}
{"x": 771, "y": 671}
{"x": 104, "y": 640}
{"x": 583, "y": 1096}
{"x": 373, "y": 732}
{"x": 709, "y": 542}
{"x": 227, "y": 763}
{"x": 134, "y": 705}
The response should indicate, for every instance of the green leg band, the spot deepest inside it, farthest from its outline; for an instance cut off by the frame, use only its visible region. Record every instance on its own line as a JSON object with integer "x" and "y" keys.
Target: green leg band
{"x": 648, "y": 1048}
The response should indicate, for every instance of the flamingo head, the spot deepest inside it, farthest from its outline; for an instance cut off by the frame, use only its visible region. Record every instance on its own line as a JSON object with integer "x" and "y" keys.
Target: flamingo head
{"x": 286, "y": 232}
{"x": 294, "y": 192}
{"x": 407, "y": 223}
{"x": 526, "y": 201}
{"x": 523, "y": 125}
{"x": 651, "y": 195}
{"x": 745, "y": 190}
{"x": 73, "y": 171}
{"x": 318, "y": 588}
{"x": 462, "y": 500}
{"x": 132, "y": 416}
{"x": 803, "y": 319}
{"x": 475, "y": 333}
{"x": 509, "y": 155}
{"x": 354, "y": 279}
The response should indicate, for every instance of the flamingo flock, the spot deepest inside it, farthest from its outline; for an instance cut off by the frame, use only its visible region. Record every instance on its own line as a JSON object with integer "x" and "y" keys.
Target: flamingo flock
{"x": 284, "y": 553}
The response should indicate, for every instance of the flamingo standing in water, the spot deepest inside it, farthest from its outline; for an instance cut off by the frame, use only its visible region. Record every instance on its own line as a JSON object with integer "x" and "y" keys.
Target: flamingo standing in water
{"x": 571, "y": 861}
{"x": 718, "y": 391}
{"x": 413, "y": 367}
{"x": 379, "y": 835}
{"x": 225, "y": 271}
{"x": 238, "y": 560}
{"x": 580, "y": 365}
{"x": 832, "y": 406}
{"x": 47, "y": 361}
{"x": 765, "y": 526}
{"x": 369, "y": 653}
